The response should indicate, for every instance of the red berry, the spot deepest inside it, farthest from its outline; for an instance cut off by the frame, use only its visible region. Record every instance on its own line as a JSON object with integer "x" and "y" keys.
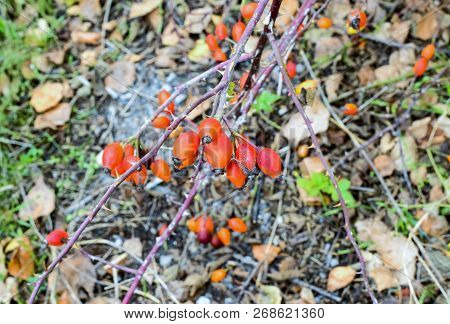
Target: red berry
{"x": 128, "y": 150}
{"x": 235, "y": 174}
{"x": 218, "y": 153}
{"x": 324, "y": 23}
{"x": 219, "y": 55}
{"x": 162, "y": 229}
{"x": 291, "y": 69}
{"x": 246, "y": 154}
{"x": 203, "y": 236}
{"x": 162, "y": 121}
{"x": 163, "y": 96}
{"x": 161, "y": 169}
{"x": 269, "y": 162}
{"x": 356, "y": 21}
{"x": 237, "y": 31}
{"x": 221, "y": 31}
{"x": 185, "y": 149}
{"x": 420, "y": 67}
{"x": 428, "y": 52}
{"x": 209, "y": 130}
{"x": 205, "y": 222}
{"x": 237, "y": 224}
{"x": 350, "y": 109}
{"x": 57, "y": 237}
{"x": 243, "y": 80}
{"x": 224, "y": 236}
{"x": 211, "y": 41}
{"x": 248, "y": 10}
{"x": 112, "y": 155}
{"x": 137, "y": 177}
{"x": 215, "y": 241}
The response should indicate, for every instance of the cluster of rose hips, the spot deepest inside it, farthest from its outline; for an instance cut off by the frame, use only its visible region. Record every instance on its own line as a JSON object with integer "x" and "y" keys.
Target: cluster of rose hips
{"x": 119, "y": 159}
{"x": 221, "y": 32}
{"x": 203, "y": 226}
{"x": 422, "y": 63}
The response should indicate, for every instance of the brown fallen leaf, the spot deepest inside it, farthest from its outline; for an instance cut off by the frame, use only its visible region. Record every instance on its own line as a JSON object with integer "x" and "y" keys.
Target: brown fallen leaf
{"x": 269, "y": 295}
{"x": 327, "y": 46}
{"x": 307, "y": 296}
{"x": 53, "y": 118}
{"x": 397, "y": 31}
{"x": 340, "y": 277}
{"x": 310, "y": 165}
{"x": 366, "y": 75}
{"x": 338, "y": 11}
{"x": 384, "y": 165}
{"x": 199, "y": 110}
{"x": 78, "y": 271}
{"x": 418, "y": 175}
{"x": 396, "y": 252}
{"x": 46, "y": 96}
{"x": 432, "y": 223}
{"x": 40, "y": 201}
{"x": 427, "y": 26}
{"x": 197, "y": 20}
{"x": 90, "y": 9}
{"x": 155, "y": 19}
{"x": 384, "y": 277}
{"x": 8, "y": 290}
{"x": 57, "y": 56}
{"x": 170, "y": 35}
{"x": 410, "y": 153}
{"x": 122, "y": 75}
{"x": 21, "y": 264}
{"x": 287, "y": 10}
{"x": 84, "y": 37}
{"x": 332, "y": 84}
{"x": 263, "y": 252}
{"x": 139, "y": 9}
{"x": 419, "y": 128}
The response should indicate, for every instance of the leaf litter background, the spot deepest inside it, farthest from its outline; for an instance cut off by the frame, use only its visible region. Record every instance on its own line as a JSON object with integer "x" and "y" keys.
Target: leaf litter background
{"x": 97, "y": 80}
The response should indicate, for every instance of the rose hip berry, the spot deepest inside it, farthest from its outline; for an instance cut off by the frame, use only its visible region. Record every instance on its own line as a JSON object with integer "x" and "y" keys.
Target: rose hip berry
{"x": 112, "y": 155}
{"x": 221, "y": 31}
{"x": 356, "y": 21}
{"x": 162, "y": 121}
{"x": 350, "y": 109}
{"x": 420, "y": 67}
{"x": 248, "y": 10}
{"x": 161, "y": 169}
{"x": 57, "y": 237}
{"x": 219, "y": 55}
{"x": 203, "y": 236}
{"x": 237, "y": 31}
{"x": 235, "y": 174}
{"x": 162, "y": 229}
{"x": 291, "y": 69}
{"x": 163, "y": 96}
{"x": 215, "y": 241}
{"x": 218, "y": 275}
{"x": 218, "y": 153}
{"x": 209, "y": 130}
{"x": 428, "y": 52}
{"x": 324, "y": 23}
{"x": 185, "y": 149}
{"x": 237, "y": 224}
{"x": 224, "y": 236}
{"x": 211, "y": 41}
{"x": 246, "y": 154}
{"x": 269, "y": 162}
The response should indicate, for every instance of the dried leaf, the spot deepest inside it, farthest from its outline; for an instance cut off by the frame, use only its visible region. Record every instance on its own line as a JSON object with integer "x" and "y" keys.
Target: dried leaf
{"x": 170, "y": 35}
{"x": 197, "y": 20}
{"x": 8, "y": 290}
{"x": 384, "y": 165}
{"x": 21, "y": 264}
{"x": 332, "y": 84}
{"x": 327, "y": 46}
{"x": 307, "y": 296}
{"x": 427, "y": 26}
{"x": 53, "y": 118}
{"x": 78, "y": 271}
{"x": 134, "y": 246}
{"x": 418, "y": 175}
{"x": 340, "y": 277}
{"x": 287, "y": 11}
{"x": 263, "y": 252}
{"x": 432, "y": 223}
{"x": 409, "y": 150}
{"x": 200, "y": 53}
{"x": 310, "y": 165}
{"x": 84, "y": 37}
{"x": 90, "y": 9}
{"x": 46, "y": 96}
{"x": 122, "y": 75}
{"x": 338, "y": 11}
{"x": 199, "y": 110}
{"x": 366, "y": 75}
{"x": 155, "y": 19}
{"x": 397, "y": 31}
{"x": 396, "y": 252}
{"x": 384, "y": 277}
{"x": 56, "y": 56}
{"x": 40, "y": 201}
{"x": 419, "y": 128}
{"x": 139, "y": 9}
{"x": 269, "y": 295}
{"x": 295, "y": 130}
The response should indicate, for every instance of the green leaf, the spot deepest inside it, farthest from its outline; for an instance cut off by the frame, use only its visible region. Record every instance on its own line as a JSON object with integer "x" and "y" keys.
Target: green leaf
{"x": 265, "y": 101}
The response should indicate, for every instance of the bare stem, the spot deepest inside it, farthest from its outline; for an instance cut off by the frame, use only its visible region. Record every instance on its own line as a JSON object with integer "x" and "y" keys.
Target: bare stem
{"x": 314, "y": 140}
{"x": 160, "y": 240}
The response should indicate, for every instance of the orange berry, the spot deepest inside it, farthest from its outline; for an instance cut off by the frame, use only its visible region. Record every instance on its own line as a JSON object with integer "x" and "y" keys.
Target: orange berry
{"x": 185, "y": 149}
{"x": 246, "y": 154}
{"x": 224, "y": 236}
{"x": 161, "y": 169}
{"x": 324, "y": 23}
{"x": 57, "y": 237}
{"x": 237, "y": 224}
{"x": 218, "y": 153}
{"x": 137, "y": 177}
{"x": 163, "y": 96}
{"x": 128, "y": 150}
{"x": 269, "y": 162}
{"x": 162, "y": 121}
{"x": 221, "y": 31}
{"x": 420, "y": 67}
{"x": 350, "y": 109}
{"x": 209, "y": 130}
{"x": 205, "y": 222}
{"x": 112, "y": 155}
{"x": 235, "y": 174}
{"x": 218, "y": 275}
{"x": 291, "y": 69}
{"x": 356, "y": 21}
{"x": 237, "y": 31}
{"x": 162, "y": 229}
{"x": 248, "y": 10}
{"x": 211, "y": 41}
{"x": 428, "y": 52}
{"x": 219, "y": 55}
{"x": 192, "y": 225}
